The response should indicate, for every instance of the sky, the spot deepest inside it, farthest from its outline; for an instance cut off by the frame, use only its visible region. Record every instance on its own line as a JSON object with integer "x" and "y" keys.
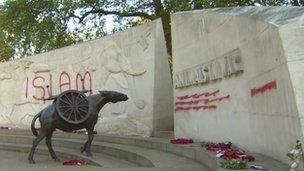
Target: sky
{"x": 109, "y": 24}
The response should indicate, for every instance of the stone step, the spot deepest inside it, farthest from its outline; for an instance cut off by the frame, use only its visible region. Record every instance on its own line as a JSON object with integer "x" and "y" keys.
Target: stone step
{"x": 61, "y": 152}
{"x": 193, "y": 152}
{"x": 164, "y": 134}
{"x": 159, "y": 144}
{"x": 75, "y": 145}
{"x": 99, "y": 159}
{"x": 17, "y": 160}
{"x": 138, "y": 155}
{"x": 57, "y": 133}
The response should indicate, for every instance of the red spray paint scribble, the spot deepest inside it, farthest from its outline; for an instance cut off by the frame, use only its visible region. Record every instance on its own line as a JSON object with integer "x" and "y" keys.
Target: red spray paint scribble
{"x": 206, "y": 101}
{"x": 50, "y": 86}
{"x": 90, "y": 79}
{"x": 193, "y": 104}
{"x": 217, "y": 99}
{"x": 263, "y": 88}
{"x": 77, "y": 79}
{"x": 38, "y": 84}
{"x": 38, "y": 87}
{"x": 189, "y": 102}
{"x": 79, "y": 76}
{"x": 195, "y": 108}
{"x": 66, "y": 83}
{"x": 196, "y": 96}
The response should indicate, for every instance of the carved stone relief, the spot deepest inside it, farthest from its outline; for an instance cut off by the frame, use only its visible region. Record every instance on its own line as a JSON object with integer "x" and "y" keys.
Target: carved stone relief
{"x": 106, "y": 68}
{"x": 227, "y": 65}
{"x": 119, "y": 69}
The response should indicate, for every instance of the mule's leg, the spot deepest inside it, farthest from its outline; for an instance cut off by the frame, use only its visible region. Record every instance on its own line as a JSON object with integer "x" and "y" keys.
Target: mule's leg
{"x": 87, "y": 145}
{"x": 48, "y": 142}
{"x": 39, "y": 137}
{"x": 83, "y": 148}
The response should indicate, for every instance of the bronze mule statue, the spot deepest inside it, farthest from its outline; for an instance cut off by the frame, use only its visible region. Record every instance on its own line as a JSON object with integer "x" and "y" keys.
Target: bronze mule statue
{"x": 50, "y": 120}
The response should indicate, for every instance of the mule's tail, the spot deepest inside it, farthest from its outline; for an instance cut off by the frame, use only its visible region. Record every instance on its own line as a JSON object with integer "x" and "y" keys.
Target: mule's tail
{"x": 34, "y": 131}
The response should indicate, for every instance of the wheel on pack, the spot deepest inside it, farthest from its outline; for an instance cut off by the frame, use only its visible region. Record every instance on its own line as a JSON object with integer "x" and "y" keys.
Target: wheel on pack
{"x": 73, "y": 106}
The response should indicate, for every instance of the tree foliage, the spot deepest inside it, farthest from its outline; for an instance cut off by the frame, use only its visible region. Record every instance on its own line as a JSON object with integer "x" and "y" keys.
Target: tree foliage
{"x": 35, "y": 26}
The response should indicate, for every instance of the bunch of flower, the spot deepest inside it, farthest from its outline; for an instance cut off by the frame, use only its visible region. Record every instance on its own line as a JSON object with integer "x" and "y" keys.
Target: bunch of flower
{"x": 234, "y": 164}
{"x": 74, "y": 162}
{"x": 231, "y": 158}
{"x": 218, "y": 146}
{"x": 226, "y": 152}
{"x": 181, "y": 141}
{"x": 230, "y": 154}
{"x": 4, "y": 127}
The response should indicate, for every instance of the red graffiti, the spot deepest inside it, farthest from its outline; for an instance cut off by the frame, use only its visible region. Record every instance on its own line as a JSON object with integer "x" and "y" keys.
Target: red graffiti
{"x": 90, "y": 79}
{"x": 189, "y": 102}
{"x": 193, "y": 101}
{"x": 263, "y": 88}
{"x": 38, "y": 87}
{"x": 78, "y": 76}
{"x": 49, "y": 87}
{"x": 195, "y": 108}
{"x": 206, "y": 101}
{"x": 196, "y": 96}
{"x": 43, "y": 83}
{"x": 61, "y": 79}
{"x": 217, "y": 99}
{"x": 81, "y": 79}
{"x": 38, "y": 84}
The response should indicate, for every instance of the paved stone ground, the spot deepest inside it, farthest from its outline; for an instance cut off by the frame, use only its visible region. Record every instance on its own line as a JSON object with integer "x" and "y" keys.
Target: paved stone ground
{"x": 17, "y": 161}
{"x": 113, "y": 153}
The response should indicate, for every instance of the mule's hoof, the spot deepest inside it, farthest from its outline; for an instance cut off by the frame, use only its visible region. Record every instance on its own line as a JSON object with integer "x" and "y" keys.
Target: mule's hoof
{"x": 31, "y": 161}
{"x": 56, "y": 159}
{"x": 82, "y": 149}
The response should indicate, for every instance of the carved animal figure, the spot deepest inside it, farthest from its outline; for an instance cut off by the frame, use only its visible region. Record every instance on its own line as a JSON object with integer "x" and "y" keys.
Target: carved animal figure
{"x": 50, "y": 120}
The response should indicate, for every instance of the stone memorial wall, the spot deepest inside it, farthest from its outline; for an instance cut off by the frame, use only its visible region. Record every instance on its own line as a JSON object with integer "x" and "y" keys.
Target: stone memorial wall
{"x": 128, "y": 62}
{"x": 238, "y": 76}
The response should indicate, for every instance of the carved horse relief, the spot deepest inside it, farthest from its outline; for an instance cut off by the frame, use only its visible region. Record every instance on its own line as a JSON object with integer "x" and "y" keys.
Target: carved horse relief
{"x": 116, "y": 72}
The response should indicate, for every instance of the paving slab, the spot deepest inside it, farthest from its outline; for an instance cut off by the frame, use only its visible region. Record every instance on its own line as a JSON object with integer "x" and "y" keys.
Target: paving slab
{"x": 110, "y": 155}
{"x": 143, "y": 152}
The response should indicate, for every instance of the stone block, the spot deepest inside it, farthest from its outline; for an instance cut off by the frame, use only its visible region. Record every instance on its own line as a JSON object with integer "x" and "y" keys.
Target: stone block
{"x": 133, "y": 62}
{"x": 159, "y": 146}
{"x": 251, "y": 97}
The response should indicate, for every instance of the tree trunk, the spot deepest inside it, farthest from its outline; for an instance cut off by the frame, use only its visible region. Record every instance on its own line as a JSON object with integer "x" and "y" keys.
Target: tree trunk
{"x": 166, "y": 22}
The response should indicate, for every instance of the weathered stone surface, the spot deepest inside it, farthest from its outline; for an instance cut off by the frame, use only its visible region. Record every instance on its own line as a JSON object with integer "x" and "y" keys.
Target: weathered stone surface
{"x": 131, "y": 62}
{"x": 260, "y": 107}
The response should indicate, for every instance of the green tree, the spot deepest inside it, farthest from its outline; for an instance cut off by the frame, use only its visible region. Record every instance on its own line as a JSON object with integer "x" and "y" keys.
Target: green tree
{"x": 35, "y": 26}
